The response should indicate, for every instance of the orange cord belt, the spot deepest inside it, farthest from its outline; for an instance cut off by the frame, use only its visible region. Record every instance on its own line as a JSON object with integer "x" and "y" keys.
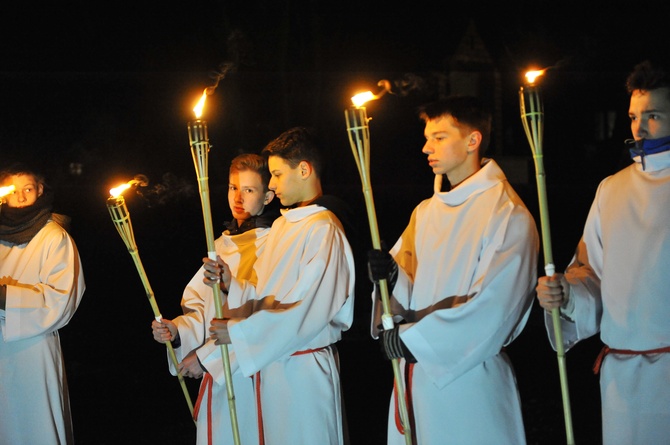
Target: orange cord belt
{"x": 205, "y": 386}
{"x": 607, "y": 350}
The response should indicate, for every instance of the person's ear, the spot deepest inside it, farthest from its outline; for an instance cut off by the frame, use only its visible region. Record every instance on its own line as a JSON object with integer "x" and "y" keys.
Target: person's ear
{"x": 40, "y": 190}
{"x": 305, "y": 169}
{"x": 474, "y": 141}
{"x": 269, "y": 196}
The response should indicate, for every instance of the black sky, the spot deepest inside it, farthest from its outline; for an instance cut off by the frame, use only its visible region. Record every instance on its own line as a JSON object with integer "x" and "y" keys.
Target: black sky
{"x": 85, "y": 80}
{"x": 370, "y": 35}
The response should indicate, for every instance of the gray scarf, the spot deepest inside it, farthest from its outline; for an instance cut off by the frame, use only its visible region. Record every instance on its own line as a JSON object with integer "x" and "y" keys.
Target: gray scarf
{"x": 18, "y": 225}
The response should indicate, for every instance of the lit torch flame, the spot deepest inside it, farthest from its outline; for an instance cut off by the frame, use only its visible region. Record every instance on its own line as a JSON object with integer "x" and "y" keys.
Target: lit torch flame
{"x": 360, "y": 99}
{"x": 531, "y": 76}
{"x": 117, "y": 191}
{"x": 4, "y": 191}
{"x": 201, "y": 104}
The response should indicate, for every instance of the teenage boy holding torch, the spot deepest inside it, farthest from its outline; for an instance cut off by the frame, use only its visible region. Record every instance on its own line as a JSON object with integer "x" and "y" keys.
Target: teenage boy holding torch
{"x": 461, "y": 277}
{"x": 240, "y": 245}
{"x": 617, "y": 282}
{"x": 303, "y": 301}
{"x": 41, "y": 287}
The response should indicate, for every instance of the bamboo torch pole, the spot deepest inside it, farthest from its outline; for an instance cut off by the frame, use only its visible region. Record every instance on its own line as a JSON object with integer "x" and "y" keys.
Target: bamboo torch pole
{"x": 359, "y": 138}
{"x": 532, "y": 117}
{"x": 199, "y": 140}
{"x": 118, "y": 210}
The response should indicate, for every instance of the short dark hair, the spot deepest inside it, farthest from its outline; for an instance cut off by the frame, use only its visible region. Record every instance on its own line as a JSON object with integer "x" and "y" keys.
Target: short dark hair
{"x": 469, "y": 111}
{"x": 296, "y": 145}
{"x": 648, "y": 75}
{"x": 20, "y": 168}
{"x": 253, "y": 162}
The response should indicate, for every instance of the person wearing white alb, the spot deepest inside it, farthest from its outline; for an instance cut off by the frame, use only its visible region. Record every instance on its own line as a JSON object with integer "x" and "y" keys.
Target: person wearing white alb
{"x": 617, "y": 282}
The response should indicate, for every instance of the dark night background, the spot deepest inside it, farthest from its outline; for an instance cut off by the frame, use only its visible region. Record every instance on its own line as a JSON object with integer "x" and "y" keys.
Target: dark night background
{"x": 98, "y": 92}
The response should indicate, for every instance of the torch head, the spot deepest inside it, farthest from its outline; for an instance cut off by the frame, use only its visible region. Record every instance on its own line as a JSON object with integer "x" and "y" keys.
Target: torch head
{"x": 529, "y": 96}
{"x": 197, "y": 131}
{"x": 358, "y": 129}
{"x": 121, "y": 219}
{"x": 118, "y": 210}
{"x": 532, "y": 111}
{"x": 197, "y": 135}
{"x": 357, "y": 120}
{"x": 116, "y": 204}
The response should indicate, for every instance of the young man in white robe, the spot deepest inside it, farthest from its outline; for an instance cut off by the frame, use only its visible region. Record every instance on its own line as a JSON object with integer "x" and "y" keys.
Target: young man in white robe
{"x": 303, "y": 302}
{"x": 239, "y": 245}
{"x": 461, "y": 279}
{"x": 41, "y": 286}
{"x": 617, "y": 283}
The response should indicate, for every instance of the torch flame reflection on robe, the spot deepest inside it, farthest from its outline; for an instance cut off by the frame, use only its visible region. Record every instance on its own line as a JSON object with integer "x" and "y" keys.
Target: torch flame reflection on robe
{"x": 118, "y": 210}
{"x": 532, "y": 118}
{"x": 359, "y": 138}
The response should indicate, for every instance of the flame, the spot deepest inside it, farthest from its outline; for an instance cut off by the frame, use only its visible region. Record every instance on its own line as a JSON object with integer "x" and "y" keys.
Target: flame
{"x": 361, "y": 98}
{"x": 531, "y": 76}
{"x": 117, "y": 191}
{"x": 201, "y": 104}
{"x": 140, "y": 180}
{"x": 4, "y": 191}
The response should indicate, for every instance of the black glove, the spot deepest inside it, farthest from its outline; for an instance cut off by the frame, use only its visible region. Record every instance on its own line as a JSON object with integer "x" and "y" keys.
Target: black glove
{"x": 393, "y": 347}
{"x": 382, "y": 266}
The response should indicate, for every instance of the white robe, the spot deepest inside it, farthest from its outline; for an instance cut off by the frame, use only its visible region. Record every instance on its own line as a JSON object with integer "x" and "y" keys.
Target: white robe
{"x": 304, "y": 301}
{"x": 45, "y": 285}
{"x": 240, "y": 252}
{"x": 620, "y": 288}
{"x": 467, "y": 272}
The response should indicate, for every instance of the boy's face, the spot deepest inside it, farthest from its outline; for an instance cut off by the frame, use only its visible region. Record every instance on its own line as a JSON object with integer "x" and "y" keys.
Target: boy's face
{"x": 649, "y": 113}
{"x": 286, "y": 182}
{"x": 26, "y": 190}
{"x": 246, "y": 197}
{"x": 447, "y": 149}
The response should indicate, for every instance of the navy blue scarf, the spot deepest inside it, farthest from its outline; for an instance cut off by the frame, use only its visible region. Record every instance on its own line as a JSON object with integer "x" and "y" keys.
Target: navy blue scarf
{"x": 645, "y": 147}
